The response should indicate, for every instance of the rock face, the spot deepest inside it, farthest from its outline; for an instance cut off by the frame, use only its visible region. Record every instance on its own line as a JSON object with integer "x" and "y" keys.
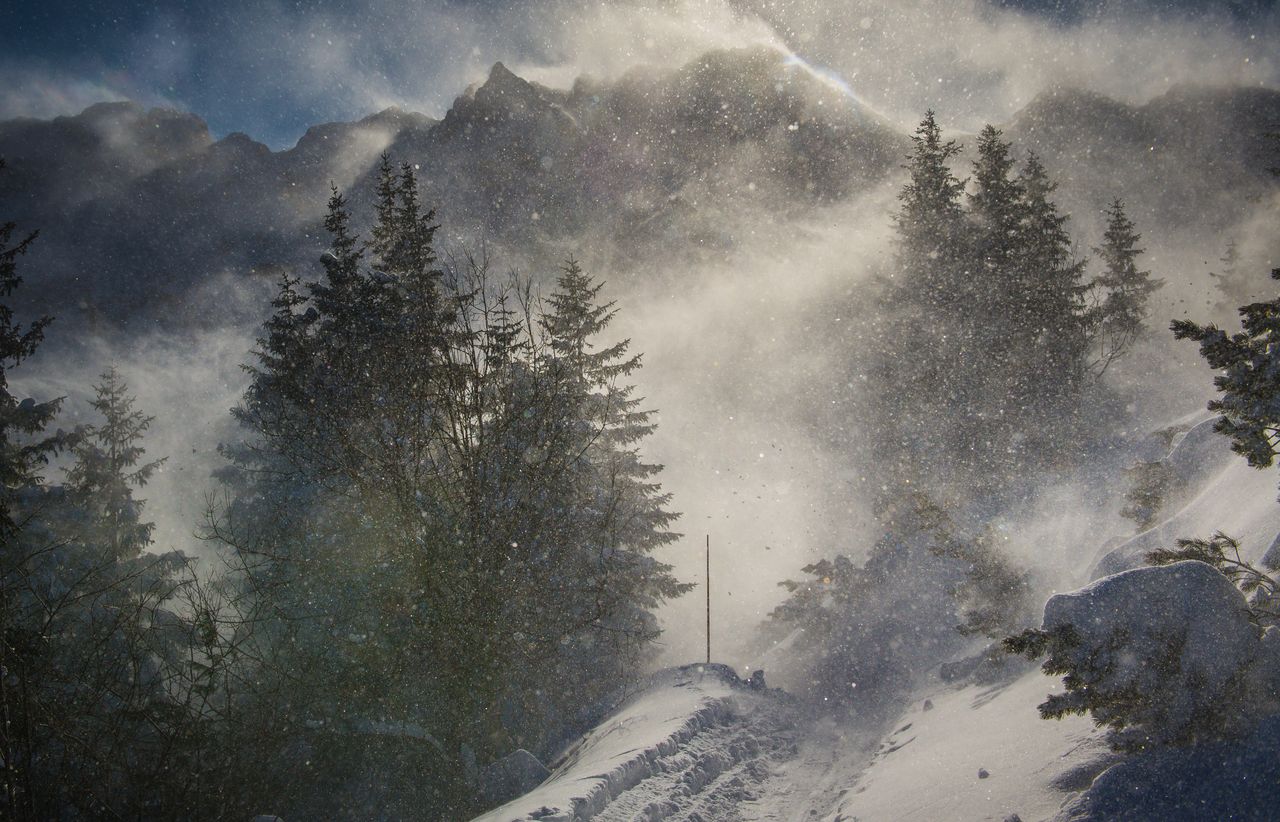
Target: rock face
{"x": 138, "y": 209}
{"x": 1189, "y": 156}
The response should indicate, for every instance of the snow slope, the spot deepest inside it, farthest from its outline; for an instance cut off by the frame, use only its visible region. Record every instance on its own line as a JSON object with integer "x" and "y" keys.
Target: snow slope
{"x": 1220, "y": 492}
{"x": 696, "y": 743}
{"x": 932, "y": 766}
{"x": 1220, "y": 781}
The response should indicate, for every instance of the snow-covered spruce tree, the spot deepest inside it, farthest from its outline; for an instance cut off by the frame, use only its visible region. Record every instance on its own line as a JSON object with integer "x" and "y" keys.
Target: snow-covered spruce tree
{"x": 839, "y": 642}
{"x": 993, "y": 595}
{"x": 423, "y": 475}
{"x": 844, "y": 626}
{"x": 1123, "y": 291}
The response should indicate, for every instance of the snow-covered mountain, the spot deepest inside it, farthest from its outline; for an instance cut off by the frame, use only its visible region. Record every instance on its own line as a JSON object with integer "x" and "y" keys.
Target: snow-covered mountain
{"x": 138, "y": 207}
{"x": 152, "y": 205}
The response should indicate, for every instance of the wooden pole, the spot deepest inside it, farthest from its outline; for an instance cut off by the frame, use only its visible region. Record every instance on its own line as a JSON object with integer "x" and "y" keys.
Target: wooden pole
{"x": 708, "y": 599}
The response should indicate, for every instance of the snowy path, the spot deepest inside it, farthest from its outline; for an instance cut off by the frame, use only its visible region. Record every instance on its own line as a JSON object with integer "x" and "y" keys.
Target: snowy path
{"x": 715, "y": 772}
{"x": 699, "y": 746}
{"x": 811, "y": 784}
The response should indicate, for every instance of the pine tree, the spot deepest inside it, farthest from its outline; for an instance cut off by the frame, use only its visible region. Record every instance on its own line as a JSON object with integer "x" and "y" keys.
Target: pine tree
{"x": 925, "y": 343}
{"x": 607, "y": 425}
{"x": 994, "y": 201}
{"x": 333, "y": 516}
{"x": 25, "y": 449}
{"x": 929, "y": 220}
{"x": 385, "y": 238}
{"x": 1149, "y": 487}
{"x": 1233, "y": 287}
{"x": 987, "y": 320}
{"x": 1122, "y": 311}
{"x": 995, "y": 217}
{"x": 341, "y": 284}
{"x": 107, "y": 470}
{"x": 1250, "y": 378}
{"x": 422, "y": 472}
{"x": 89, "y": 721}
{"x": 995, "y": 312}
{"x": 843, "y": 623}
{"x": 110, "y": 676}
{"x": 579, "y": 510}
{"x": 1053, "y": 281}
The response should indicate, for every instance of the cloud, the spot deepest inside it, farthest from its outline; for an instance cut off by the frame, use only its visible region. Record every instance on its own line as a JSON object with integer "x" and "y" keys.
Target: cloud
{"x": 271, "y": 69}
{"x": 32, "y": 92}
{"x": 974, "y": 62}
{"x": 732, "y": 350}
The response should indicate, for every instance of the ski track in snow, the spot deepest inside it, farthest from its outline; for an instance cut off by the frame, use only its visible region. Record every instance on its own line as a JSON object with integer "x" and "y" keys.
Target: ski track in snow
{"x": 700, "y": 747}
{"x": 810, "y": 784}
{"x": 713, "y": 774}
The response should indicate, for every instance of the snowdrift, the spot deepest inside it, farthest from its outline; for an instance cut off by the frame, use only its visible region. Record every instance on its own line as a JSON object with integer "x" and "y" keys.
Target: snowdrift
{"x": 1218, "y": 492}
{"x": 977, "y": 752}
{"x": 694, "y": 740}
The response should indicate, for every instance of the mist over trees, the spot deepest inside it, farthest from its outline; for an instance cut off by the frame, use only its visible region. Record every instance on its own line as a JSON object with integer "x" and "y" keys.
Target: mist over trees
{"x": 995, "y": 337}
{"x": 436, "y": 519}
{"x": 435, "y": 538}
{"x": 1183, "y": 651}
{"x": 988, "y": 369}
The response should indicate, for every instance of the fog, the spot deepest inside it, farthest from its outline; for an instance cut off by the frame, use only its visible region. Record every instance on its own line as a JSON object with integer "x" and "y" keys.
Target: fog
{"x": 736, "y": 359}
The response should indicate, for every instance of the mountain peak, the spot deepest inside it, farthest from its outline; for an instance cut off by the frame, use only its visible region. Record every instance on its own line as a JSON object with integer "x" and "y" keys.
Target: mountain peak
{"x": 500, "y": 73}
{"x": 502, "y": 82}
{"x": 241, "y": 144}
{"x": 502, "y": 96}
